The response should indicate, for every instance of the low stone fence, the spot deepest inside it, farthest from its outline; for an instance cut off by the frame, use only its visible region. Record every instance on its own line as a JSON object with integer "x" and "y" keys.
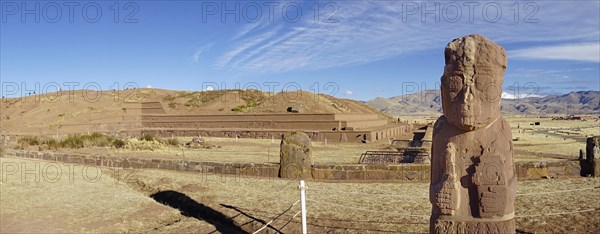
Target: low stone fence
{"x": 327, "y": 172}
{"x": 398, "y": 172}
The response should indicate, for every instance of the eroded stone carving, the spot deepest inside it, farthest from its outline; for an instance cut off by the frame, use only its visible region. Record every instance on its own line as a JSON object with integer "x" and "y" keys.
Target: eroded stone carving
{"x": 473, "y": 181}
{"x": 295, "y": 157}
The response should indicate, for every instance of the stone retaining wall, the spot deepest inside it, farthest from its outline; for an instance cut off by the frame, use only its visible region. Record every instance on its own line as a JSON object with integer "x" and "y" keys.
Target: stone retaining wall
{"x": 406, "y": 172}
{"x": 266, "y": 121}
{"x": 386, "y": 132}
{"x": 403, "y": 172}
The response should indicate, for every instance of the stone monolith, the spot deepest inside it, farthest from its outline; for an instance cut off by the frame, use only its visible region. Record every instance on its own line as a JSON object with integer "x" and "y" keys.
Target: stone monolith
{"x": 592, "y": 150}
{"x": 473, "y": 181}
{"x": 295, "y": 157}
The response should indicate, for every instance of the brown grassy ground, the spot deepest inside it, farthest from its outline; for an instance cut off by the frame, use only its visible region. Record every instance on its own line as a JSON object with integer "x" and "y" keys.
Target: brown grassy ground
{"x": 243, "y": 150}
{"x": 61, "y": 200}
{"x": 536, "y": 147}
{"x": 120, "y": 202}
{"x": 547, "y": 140}
{"x": 548, "y": 123}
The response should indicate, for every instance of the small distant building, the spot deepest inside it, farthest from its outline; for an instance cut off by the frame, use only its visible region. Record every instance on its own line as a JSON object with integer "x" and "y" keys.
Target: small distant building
{"x": 579, "y": 117}
{"x": 586, "y": 117}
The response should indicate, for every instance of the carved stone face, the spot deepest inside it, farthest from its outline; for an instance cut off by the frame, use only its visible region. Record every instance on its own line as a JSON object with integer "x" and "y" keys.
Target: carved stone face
{"x": 472, "y": 82}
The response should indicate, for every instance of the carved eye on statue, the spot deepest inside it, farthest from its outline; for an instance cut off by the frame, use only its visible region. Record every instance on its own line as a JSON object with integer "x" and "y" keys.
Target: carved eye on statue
{"x": 488, "y": 86}
{"x": 454, "y": 84}
{"x": 483, "y": 82}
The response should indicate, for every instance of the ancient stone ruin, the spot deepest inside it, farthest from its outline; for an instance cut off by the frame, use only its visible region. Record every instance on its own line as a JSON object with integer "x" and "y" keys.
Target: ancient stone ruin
{"x": 473, "y": 181}
{"x": 592, "y": 161}
{"x": 295, "y": 157}
{"x": 403, "y": 151}
{"x": 319, "y": 127}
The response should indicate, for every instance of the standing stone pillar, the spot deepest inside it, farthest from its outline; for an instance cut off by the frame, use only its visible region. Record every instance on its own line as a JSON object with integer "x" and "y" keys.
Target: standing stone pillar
{"x": 473, "y": 181}
{"x": 592, "y": 151}
{"x": 295, "y": 157}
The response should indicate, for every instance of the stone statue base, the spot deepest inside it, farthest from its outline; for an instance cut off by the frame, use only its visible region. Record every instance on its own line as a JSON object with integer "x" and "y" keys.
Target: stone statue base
{"x": 453, "y": 225}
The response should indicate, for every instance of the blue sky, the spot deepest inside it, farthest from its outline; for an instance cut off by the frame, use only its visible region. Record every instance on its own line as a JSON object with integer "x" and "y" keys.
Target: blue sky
{"x": 352, "y": 49}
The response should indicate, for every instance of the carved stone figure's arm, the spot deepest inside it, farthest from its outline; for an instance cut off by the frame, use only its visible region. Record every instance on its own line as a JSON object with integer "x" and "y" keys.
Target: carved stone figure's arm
{"x": 437, "y": 161}
{"x": 445, "y": 191}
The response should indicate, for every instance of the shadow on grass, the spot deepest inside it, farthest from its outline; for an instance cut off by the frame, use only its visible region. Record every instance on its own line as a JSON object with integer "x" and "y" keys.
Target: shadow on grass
{"x": 346, "y": 224}
{"x": 519, "y": 231}
{"x": 190, "y": 208}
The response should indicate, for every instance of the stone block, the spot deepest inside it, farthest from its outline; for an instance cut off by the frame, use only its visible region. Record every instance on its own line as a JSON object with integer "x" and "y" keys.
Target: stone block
{"x": 295, "y": 157}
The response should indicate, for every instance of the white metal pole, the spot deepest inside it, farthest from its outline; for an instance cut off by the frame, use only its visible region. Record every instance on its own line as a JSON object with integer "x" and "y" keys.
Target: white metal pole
{"x": 303, "y": 204}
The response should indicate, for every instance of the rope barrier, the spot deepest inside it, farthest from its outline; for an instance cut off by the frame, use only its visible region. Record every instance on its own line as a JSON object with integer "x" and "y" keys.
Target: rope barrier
{"x": 562, "y": 213}
{"x": 290, "y": 220}
{"x": 368, "y": 210}
{"x": 272, "y": 220}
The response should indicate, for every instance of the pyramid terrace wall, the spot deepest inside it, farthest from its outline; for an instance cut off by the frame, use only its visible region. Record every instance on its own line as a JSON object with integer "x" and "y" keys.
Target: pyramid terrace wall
{"x": 144, "y": 108}
{"x": 356, "y": 117}
{"x": 150, "y": 117}
{"x": 266, "y": 121}
{"x": 386, "y": 132}
{"x": 364, "y": 124}
{"x": 255, "y": 124}
{"x": 272, "y": 117}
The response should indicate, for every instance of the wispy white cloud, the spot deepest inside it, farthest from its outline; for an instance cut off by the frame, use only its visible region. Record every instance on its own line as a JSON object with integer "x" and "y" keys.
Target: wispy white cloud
{"x": 199, "y": 52}
{"x": 369, "y": 31}
{"x": 197, "y": 55}
{"x": 546, "y": 74}
{"x": 226, "y": 59}
{"x": 506, "y": 95}
{"x": 587, "y": 52}
{"x": 348, "y": 93}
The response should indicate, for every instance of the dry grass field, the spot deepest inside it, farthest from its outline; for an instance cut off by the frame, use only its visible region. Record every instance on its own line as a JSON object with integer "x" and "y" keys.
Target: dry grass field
{"x": 126, "y": 201}
{"x": 57, "y": 198}
{"x": 548, "y": 123}
{"x": 552, "y": 139}
{"x": 232, "y": 150}
{"x": 531, "y": 143}
{"x": 539, "y": 147}
{"x": 69, "y": 199}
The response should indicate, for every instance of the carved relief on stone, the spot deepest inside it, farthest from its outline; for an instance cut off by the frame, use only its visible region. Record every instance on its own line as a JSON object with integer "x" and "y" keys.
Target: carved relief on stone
{"x": 446, "y": 196}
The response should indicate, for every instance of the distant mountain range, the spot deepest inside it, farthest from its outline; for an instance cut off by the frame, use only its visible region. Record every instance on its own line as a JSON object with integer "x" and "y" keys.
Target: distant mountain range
{"x": 429, "y": 102}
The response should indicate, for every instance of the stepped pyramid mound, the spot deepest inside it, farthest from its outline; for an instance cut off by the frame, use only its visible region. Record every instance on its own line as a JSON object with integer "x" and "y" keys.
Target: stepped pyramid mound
{"x": 245, "y": 113}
